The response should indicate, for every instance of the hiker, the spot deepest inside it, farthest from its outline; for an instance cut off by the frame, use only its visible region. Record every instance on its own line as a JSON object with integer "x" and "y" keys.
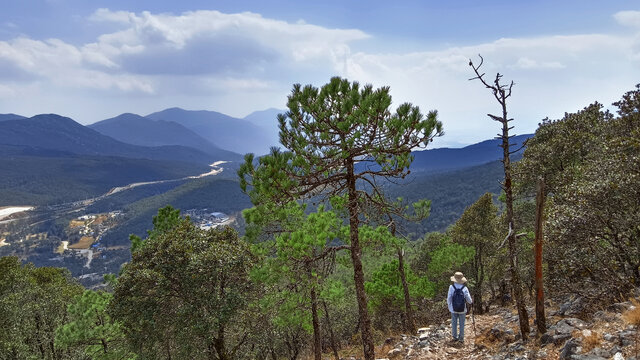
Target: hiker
{"x": 457, "y": 300}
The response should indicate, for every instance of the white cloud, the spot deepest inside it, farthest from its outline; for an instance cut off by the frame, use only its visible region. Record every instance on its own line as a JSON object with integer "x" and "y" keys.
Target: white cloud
{"x": 628, "y": 18}
{"x": 527, "y": 63}
{"x": 238, "y": 63}
{"x": 553, "y": 74}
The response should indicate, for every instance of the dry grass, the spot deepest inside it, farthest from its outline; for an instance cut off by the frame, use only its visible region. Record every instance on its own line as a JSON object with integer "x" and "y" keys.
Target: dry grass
{"x": 632, "y": 316}
{"x": 592, "y": 341}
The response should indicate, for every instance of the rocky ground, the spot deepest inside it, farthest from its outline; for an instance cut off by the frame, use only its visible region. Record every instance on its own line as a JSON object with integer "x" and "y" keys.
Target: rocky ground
{"x": 601, "y": 335}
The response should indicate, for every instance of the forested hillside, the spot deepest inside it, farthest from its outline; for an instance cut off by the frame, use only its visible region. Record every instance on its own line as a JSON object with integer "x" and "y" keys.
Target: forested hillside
{"x": 43, "y": 177}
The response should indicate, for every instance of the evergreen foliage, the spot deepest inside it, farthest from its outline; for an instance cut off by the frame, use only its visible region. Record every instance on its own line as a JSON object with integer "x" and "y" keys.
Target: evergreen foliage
{"x": 184, "y": 291}
{"x": 91, "y": 329}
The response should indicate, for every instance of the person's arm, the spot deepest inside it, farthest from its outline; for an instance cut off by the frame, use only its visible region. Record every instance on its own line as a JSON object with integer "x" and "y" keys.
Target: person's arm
{"x": 449, "y": 295}
{"x": 467, "y": 295}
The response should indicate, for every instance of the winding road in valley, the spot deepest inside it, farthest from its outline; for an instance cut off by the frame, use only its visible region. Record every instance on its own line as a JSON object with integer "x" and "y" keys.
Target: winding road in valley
{"x": 63, "y": 209}
{"x": 215, "y": 170}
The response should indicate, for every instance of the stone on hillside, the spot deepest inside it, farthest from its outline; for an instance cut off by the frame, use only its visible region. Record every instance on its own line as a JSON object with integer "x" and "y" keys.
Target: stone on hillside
{"x": 567, "y": 326}
{"x": 603, "y": 316}
{"x": 618, "y": 356}
{"x": 620, "y": 307}
{"x": 571, "y": 307}
{"x": 587, "y": 357}
{"x": 569, "y": 349}
{"x": 599, "y": 352}
{"x": 394, "y": 353}
{"x": 627, "y": 337}
{"x": 451, "y": 350}
{"x": 610, "y": 337}
{"x": 422, "y": 330}
{"x": 516, "y": 347}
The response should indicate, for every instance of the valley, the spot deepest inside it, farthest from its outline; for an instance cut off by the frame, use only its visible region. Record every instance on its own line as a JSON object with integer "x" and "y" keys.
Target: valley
{"x": 74, "y": 233}
{"x": 101, "y": 190}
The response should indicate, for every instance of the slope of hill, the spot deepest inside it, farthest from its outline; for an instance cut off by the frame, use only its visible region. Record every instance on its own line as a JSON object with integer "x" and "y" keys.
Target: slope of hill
{"x": 137, "y": 130}
{"x": 443, "y": 159}
{"x": 229, "y": 133}
{"x": 61, "y": 178}
{"x": 55, "y": 132}
{"x": 4, "y": 117}
{"x": 450, "y": 193}
{"x": 211, "y": 193}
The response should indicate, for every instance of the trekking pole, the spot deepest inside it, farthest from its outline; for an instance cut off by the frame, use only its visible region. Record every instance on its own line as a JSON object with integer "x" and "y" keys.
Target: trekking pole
{"x": 473, "y": 321}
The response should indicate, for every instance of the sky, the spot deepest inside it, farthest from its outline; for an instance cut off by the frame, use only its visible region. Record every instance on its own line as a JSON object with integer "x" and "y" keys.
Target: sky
{"x": 94, "y": 59}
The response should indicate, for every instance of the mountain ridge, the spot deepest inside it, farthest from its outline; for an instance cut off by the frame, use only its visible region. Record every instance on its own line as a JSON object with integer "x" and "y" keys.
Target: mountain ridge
{"x": 229, "y": 133}
{"x": 59, "y": 133}
{"x": 139, "y": 130}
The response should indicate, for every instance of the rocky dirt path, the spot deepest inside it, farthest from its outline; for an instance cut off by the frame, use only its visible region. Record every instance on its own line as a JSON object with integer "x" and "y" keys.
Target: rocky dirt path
{"x": 600, "y": 336}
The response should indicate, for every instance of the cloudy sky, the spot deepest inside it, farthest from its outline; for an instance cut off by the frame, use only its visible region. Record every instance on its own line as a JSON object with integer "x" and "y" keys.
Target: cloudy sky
{"x": 92, "y": 60}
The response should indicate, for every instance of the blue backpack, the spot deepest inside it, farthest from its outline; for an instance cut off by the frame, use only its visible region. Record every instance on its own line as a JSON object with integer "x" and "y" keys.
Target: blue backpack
{"x": 457, "y": 300}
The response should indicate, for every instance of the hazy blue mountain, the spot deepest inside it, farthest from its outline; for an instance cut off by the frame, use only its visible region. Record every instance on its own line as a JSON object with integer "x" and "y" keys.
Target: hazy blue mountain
{"x": 443, "y": 159}
{"x": 55, "y": 132}
{"x": 4, "y": 117}
{"x": 268, "y": 121}
{"x": 229, "y": 133}
{"x": 139, "y": 130}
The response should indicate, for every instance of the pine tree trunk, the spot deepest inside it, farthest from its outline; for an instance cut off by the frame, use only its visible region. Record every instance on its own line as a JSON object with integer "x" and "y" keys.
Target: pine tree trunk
{"x": 356, "y": 259}
{"x": 513, "y": 252}
{"x": 332, "y": 337}
{"x": 410, "y": 325}
{"x": 317, "y": 337}
{"x": 540, "y": 317}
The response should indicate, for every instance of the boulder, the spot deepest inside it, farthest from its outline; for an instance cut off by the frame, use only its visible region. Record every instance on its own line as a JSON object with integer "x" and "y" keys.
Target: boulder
{"x": 603, "y": 316}
{"x": 620, "y": 307}
{"x": 575, "y": 322}
{"x": 627, "y": 337}
{"x": 571, "y": 307}
{"x": 569, "y": 349}
{"x": 394, "y": 353}
{"x": 600, "y": 352}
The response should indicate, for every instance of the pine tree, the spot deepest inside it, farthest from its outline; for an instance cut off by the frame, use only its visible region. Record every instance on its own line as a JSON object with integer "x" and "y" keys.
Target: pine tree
{"x": 339, "y": 140}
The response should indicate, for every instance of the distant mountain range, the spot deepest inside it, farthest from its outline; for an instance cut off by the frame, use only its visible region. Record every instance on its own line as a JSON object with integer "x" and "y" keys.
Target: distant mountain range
{"x": 445, "y": 159}
{"x": 4, "y": 117}
{"x": 237, "y": 135}
{"x": 55, "y": 132}
{"x": 138, "y": 130}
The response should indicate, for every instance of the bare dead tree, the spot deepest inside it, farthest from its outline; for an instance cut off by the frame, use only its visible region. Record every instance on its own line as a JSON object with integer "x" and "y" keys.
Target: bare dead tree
{"x": 540, "y": 317}
{"x": 501, "y": 92}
